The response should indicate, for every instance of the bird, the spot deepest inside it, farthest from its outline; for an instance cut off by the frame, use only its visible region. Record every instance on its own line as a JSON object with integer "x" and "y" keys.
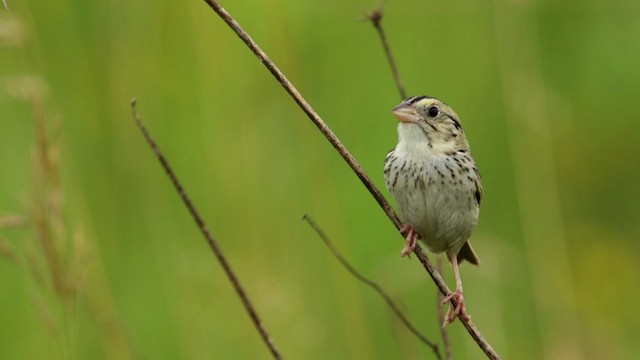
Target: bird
{"x": 436, "y": 185}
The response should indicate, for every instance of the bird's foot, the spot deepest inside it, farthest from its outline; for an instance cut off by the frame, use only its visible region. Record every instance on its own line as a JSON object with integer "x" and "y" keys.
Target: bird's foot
{"x": 411, "y": 239}
{"x": 459, "y": 311}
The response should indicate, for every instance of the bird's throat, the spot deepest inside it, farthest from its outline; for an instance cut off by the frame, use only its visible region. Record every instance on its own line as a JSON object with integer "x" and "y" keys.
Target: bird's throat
{"x": 412, "y": 136}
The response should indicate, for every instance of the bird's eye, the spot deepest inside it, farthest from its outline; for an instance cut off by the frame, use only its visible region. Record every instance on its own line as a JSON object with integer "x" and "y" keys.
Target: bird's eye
{"x": 433, "y": 111}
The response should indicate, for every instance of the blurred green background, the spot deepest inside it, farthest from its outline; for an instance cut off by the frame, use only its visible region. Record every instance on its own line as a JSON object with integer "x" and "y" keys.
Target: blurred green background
{"x": 547, "y": 92}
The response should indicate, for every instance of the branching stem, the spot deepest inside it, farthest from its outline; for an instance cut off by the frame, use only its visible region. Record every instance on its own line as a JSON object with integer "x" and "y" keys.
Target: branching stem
{"x": 346, "y": 155}
{"x": 372, "y": 284}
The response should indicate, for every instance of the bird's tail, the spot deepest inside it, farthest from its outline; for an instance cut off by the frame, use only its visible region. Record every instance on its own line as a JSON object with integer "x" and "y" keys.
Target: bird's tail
{"x": 467, "y": 253}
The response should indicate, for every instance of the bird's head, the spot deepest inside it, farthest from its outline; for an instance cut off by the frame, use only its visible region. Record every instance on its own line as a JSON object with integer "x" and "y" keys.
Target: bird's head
{"x": 429, "y": 121}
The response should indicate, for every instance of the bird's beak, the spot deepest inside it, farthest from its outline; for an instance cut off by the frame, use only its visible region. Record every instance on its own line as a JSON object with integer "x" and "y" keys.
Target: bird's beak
{"x": 406, "y": 113}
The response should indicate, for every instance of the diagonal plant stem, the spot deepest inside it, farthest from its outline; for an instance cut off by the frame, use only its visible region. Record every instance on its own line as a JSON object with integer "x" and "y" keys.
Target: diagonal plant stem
{"x": 372, "y": 284}
{"x": 443, "y": 330}
{"x": 205, "y": 231}
{"x": 346, "y": 155}
{"x": 376, "y": 19}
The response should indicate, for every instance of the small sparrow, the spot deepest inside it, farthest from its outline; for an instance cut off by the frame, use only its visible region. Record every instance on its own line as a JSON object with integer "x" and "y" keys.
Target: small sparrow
{"x": 436, "y": 184}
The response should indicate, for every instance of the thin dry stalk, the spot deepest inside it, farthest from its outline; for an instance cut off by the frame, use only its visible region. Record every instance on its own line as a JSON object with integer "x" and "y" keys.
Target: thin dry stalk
{"x": 346, "y": 155}
{"x": 376, "y": 19}
{"x": 372, "y": 284}
{"x": 213, "y": 244}
{"x": 443, "y": 329}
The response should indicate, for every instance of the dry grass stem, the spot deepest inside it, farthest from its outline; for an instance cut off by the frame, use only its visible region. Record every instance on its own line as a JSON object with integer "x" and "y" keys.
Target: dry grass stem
{"x": 376, "y": 19}
{"x": 346, "y": 155}
{"x": 443, "y": 329}
{"x": 372, "y": 284}
{"x": 213, "y": 244}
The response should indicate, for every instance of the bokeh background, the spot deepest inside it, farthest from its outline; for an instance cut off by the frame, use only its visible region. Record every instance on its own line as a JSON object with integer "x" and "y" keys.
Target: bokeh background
{"x": 99, "y": 258}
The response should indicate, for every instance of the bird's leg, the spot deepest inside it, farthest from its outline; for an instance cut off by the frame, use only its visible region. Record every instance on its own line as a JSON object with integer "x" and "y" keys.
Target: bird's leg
{"x": 460, "y": 309}
{"x": 411, "y": 237}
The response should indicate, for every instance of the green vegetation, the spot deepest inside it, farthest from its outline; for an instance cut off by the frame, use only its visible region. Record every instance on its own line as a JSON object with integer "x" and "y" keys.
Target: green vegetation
{"x": 99, "y": 258}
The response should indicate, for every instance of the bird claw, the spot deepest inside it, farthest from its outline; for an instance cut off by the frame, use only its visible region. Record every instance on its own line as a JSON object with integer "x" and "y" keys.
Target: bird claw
{"x": 411, "y": 239}
{"x": 405, "y": 229}
{"x": 460, "y": 309}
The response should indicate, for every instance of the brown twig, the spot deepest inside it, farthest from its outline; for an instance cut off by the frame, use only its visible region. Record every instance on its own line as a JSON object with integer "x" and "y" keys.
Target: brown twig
{"x": 372, "y": 284}
{"x": 376, "y": 19}
{"x": 205, "y": 231}
{"x": 443, "y": 330}
{"x": 346, "y": 155}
